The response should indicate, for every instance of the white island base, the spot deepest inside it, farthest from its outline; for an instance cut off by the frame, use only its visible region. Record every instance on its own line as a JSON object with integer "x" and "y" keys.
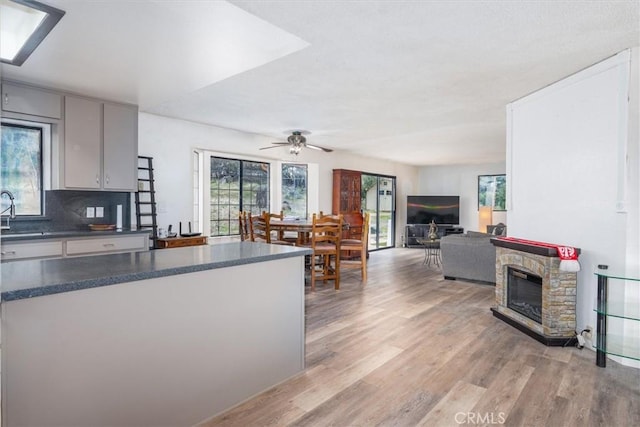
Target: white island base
{"x": 168, "y": 351}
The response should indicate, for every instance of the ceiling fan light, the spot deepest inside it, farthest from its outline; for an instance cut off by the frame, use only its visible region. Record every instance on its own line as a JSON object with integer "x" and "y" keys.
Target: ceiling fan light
{"x": 296, "y": 139}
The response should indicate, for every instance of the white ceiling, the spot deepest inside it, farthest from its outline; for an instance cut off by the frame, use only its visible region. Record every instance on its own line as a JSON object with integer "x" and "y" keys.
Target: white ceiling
{"x": 418, "y": 82}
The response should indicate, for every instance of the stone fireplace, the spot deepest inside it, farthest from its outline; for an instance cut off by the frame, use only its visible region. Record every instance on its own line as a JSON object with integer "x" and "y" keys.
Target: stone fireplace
{"x": 533, "y": 294}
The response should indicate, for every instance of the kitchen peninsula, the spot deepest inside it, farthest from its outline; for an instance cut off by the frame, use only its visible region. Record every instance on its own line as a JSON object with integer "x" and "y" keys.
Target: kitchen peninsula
{"x": 149, "y": 338}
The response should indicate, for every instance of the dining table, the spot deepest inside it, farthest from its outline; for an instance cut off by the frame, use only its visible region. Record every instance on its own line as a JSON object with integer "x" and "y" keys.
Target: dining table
{"x": 302, "y": 227}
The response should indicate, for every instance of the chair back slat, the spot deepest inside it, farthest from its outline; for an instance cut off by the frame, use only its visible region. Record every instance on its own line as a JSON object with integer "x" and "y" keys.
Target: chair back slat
{"x": 355, "y": 250}
{"x": 245, "y": 228}
{"x": 327, "y": 228}
{"x": 260, "y": 231}
{"x": 365, "y": 229}
{"x": 326, "y": 233}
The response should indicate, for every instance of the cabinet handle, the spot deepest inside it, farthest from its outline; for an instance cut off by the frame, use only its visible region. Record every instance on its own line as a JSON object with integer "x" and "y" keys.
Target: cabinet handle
{"x": 107, "y": 179}
{"x": 6, "y": 99}
{"x": 97, "y": 179}
{"x": 109, "y": 245}
{"x": 8, "y": 253}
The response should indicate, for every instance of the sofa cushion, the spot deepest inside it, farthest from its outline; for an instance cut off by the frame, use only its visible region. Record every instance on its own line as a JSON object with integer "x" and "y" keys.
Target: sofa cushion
{"x": 478, "y": 234}
{"x": 471, "y": 256}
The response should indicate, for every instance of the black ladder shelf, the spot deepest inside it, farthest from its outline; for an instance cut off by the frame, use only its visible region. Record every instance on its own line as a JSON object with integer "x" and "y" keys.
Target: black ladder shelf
{"x": 146, "y": 212}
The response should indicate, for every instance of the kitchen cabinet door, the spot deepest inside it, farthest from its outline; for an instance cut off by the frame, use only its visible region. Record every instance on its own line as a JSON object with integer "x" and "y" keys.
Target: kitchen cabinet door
{"x": 112, "y": 244}
{"x": 31, "y": 249}
{"x": 31, "y": 101}
{"x": 120, "y": 151}
{"x": 82, "y": 143}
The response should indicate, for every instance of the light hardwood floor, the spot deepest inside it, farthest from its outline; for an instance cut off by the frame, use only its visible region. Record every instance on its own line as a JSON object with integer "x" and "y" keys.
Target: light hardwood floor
{"x": 410, "y": 348}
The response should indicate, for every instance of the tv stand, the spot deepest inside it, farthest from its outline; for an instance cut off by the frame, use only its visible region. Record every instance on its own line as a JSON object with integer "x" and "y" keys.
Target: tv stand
{"x": 414, "y": 231}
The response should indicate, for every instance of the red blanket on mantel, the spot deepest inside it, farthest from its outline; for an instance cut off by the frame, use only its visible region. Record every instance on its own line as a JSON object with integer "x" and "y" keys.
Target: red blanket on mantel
{"x": 568, "y": 255}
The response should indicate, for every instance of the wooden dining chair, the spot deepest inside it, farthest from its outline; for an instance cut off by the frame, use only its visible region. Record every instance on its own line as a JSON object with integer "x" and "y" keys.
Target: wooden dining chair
{"x": 261, "y": 230}
{"x": 245, "y": 228}
{"x": 325, "y": 243}
{"x": 359, "y": 246}
{"x": 281, "y": 235}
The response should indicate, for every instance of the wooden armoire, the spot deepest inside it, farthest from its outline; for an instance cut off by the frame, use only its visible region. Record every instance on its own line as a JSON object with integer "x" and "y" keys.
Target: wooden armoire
{"x": 347, "y": 200}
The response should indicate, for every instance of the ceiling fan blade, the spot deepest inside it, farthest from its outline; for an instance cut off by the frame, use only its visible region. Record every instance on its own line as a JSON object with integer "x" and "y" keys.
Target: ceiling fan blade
{"x": 274, "y": 146}
{"x": 315, "y": 147}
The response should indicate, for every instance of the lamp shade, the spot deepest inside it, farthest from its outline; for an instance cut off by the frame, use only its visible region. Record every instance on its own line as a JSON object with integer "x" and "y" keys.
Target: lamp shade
{"x": 485, "y": 217}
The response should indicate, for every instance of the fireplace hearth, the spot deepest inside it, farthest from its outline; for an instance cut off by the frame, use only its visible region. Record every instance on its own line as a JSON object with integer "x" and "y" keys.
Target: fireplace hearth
{"x": 533, "y": 294}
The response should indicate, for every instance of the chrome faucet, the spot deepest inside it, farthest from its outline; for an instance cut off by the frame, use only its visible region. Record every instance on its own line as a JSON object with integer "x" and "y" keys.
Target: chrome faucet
{"x": 11, "y": 208}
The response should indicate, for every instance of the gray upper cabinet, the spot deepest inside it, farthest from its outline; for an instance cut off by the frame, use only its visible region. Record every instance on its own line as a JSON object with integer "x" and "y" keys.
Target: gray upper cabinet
{"x": 120, "y": 153}
{"x": 32, "y": 101}
{"x": 100, "y": 145}
{"x": 82, "y": 143}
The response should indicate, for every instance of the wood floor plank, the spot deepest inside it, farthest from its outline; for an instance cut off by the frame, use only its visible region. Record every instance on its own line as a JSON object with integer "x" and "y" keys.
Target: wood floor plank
{"x": 409, "y": 347}
{"x": 342, "y": 409}
{"x": 536, "y": 399}
{"x": 504, "y": 391}
{"x": 313, "y": 397}
{"x": 460, "y": 400}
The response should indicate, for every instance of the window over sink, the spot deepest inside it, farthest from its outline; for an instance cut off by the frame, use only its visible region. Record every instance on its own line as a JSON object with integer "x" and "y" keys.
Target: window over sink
{"x": 24, "y": 164}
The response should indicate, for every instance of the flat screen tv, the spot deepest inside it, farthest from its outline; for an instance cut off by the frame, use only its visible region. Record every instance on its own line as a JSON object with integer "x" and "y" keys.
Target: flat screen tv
{"x": 444, "y": 210}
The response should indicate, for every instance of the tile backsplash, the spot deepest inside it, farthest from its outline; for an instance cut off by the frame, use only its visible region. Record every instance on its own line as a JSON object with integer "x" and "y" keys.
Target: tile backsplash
{"x": 66, "y": 210}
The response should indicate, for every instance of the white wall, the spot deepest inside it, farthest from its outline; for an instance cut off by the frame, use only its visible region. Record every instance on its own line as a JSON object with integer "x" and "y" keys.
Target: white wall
{"x": 460, "y": 180}
{"x": 171, "y": 141}
{"x": 567, "y": 148}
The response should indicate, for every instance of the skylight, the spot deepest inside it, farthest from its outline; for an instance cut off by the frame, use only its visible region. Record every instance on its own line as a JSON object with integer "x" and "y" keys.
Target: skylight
{"x": 23, "y": 26}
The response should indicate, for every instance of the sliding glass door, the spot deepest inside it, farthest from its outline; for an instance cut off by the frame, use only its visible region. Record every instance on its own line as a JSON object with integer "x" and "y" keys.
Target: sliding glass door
{"x": 378, "y": 194}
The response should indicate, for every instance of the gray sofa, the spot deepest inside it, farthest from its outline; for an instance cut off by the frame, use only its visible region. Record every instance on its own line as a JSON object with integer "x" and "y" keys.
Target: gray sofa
{"x": 469, "y": 256}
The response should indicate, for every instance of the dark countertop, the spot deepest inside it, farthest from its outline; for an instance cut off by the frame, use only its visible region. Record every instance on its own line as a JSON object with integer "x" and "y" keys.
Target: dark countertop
{"x": 14, "y": 237}
{"x": 33, "y": 278}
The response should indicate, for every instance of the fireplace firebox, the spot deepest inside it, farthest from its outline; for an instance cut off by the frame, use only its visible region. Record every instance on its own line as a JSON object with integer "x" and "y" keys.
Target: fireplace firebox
{"x": 524, "y": 293}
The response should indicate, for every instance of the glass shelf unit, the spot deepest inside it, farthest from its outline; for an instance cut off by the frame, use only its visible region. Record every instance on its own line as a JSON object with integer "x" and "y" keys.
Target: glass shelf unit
{"x": 616, "y": 345}
{"x": 621, "y": 309}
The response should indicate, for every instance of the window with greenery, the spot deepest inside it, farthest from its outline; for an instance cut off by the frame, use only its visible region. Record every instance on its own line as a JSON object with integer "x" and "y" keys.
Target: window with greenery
{"x": 236, "y": 185}
{"x": 21, "y": 167}
{"x": 294, "y": 190}
{"x": 378, "y": 199}
{"x": 492, "y": 191}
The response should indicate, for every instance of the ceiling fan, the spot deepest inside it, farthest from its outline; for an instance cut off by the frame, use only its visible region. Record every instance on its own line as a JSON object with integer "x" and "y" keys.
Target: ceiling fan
{"x": 296, "y": 142}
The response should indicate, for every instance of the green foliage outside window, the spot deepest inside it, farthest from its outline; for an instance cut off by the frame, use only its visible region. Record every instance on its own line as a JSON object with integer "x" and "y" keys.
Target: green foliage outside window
{"x": 21, "y": 167}
{"x": 492, "y": 191}
{"x": 236, "y": 185}
{"x": 294, "y": 190}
